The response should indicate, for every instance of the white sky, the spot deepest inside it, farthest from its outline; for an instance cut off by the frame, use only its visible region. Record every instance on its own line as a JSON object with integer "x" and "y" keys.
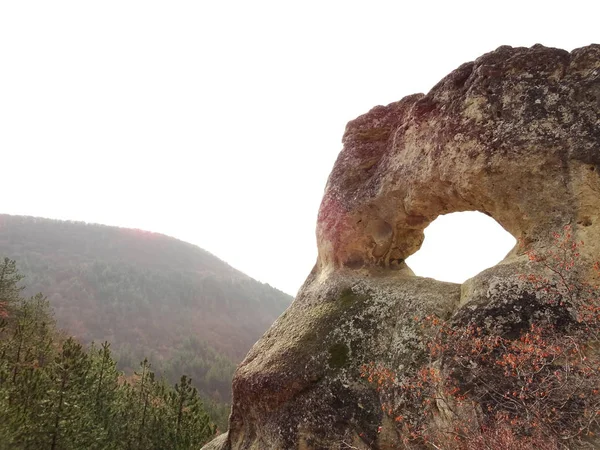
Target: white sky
{"x": 217, "y": 122}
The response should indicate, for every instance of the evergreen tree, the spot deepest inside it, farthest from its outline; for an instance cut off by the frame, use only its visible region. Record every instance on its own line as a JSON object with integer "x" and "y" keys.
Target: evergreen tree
{"x": 191, "y": 425}
{"x": 25, "y": 347}
{"x": 10, "y": 291}
{"x": 106, "y": 380}
{"x": 69, "y": 417}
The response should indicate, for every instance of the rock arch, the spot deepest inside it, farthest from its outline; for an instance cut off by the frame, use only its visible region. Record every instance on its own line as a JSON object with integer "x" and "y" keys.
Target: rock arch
{"x": 489, "y": 137}
{"x": 514, "y": 134}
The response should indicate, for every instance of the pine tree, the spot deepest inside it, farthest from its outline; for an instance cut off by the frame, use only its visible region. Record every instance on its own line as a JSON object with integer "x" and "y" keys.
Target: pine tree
{"x": 105, "y": 392}
{"x": 25, "y": 348}
{"x": 10, "y": 291}
{"x": 70, "y": 420}
{"x": 30, "y": 329}
{"x": 192, "y": 426}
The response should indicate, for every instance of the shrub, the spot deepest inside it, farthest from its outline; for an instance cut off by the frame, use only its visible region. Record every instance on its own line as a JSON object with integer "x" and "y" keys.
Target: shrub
{"x": 491, "y": 386}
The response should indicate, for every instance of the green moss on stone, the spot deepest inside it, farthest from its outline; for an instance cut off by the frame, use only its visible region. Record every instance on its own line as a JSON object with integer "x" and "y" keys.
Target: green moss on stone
{"x": 338, "y": 355}
{"x": 348, "y": 297}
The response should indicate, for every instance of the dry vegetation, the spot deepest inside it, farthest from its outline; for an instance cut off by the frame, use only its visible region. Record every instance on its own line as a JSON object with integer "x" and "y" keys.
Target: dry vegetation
{"x": 528, "y": 385}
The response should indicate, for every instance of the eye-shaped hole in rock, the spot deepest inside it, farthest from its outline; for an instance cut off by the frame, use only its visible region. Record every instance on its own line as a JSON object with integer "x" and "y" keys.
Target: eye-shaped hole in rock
{"x": 458, "y": 246}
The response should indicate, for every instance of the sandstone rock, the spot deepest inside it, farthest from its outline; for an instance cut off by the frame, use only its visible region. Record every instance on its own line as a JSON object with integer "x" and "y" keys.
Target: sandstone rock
{"x": 514, "y": 134}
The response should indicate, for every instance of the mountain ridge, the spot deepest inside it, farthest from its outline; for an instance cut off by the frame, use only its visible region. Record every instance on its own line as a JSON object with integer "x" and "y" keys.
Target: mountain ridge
{"x": 148, "y": 293}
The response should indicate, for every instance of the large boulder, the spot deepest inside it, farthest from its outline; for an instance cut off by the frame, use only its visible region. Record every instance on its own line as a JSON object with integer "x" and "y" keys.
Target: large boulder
{"x": 515, "y": 135}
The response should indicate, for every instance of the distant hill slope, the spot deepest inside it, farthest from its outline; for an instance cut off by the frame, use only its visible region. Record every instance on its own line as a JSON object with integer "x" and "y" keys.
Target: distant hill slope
{"x": 147, "y": 293}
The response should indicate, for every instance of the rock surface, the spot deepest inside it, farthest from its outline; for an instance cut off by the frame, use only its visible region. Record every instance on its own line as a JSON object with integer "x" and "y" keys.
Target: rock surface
{"x": 515, "y": 135}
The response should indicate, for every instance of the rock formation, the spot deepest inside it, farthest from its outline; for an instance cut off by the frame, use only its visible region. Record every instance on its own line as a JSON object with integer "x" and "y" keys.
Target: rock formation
{"x": 515, "y": 135}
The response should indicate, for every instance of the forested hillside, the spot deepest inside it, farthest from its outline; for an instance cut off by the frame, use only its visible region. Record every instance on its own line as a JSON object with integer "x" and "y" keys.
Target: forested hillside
{"x": 146, "y": 293}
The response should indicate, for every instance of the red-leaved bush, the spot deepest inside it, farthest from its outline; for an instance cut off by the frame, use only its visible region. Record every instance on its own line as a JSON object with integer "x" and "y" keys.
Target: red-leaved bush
{"x": 532, "y": 384}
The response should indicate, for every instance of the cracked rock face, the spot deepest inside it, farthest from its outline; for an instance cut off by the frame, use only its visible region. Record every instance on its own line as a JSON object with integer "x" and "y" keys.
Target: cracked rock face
{"x": 515, "y": 135}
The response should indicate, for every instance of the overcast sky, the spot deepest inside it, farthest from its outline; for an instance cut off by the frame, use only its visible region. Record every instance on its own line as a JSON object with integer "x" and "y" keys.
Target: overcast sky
{"x": 218, "y": 122}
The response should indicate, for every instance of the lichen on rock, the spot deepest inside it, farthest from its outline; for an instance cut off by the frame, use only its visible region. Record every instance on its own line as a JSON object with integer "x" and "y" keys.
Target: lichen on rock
{"x": 515, "y": 135}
